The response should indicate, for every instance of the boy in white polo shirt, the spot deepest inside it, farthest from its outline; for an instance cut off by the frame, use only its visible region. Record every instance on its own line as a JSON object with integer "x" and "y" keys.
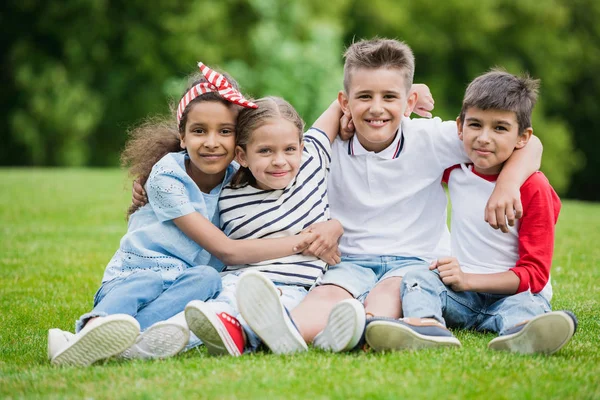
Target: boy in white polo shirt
{"x": 385, "y": 188}
{"x": 497, "y": 282}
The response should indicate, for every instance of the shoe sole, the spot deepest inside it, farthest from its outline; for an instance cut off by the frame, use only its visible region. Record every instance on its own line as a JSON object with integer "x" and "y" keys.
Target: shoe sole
{"x": 388, "y": 335}
{"x": 205, "y": 324}
{"x": 259, "y": 303}
{"x": 162, "y": 340}
{"x": 115, "y": 334}
{"x": 345, "y": 327}
{"x": 546, "y": 333}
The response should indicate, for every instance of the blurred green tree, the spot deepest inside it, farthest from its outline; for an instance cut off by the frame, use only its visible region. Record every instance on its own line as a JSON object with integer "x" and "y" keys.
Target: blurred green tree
{"x": 78, "y": 73}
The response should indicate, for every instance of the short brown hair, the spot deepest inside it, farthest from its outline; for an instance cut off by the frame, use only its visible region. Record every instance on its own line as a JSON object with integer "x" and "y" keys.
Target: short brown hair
{"x": 379, "y": 53}
{"x": 500, "y": 90}
{"x": 250, "y": 119}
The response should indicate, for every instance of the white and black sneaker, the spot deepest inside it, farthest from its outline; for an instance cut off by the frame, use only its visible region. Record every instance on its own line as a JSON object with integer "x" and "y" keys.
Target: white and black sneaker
{"x": 101, "y": 338}
{"x": 546, "y": 334}
{"x": 260, "y": 304}
{"x": 345, "y": 327}
{"x": 408, "y": 334}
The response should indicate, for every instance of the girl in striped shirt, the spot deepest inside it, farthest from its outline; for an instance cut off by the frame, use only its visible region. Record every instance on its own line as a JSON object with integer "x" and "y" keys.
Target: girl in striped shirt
{"x": 279, "y": 190}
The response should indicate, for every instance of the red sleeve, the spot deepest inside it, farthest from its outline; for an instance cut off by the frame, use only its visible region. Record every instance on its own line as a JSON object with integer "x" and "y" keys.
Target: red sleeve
{"x": 541, "y": 206}
{"x": 446, "y": 175}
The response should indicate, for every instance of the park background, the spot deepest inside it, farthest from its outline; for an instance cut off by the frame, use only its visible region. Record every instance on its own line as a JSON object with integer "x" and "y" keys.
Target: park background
{"x": 77, "y": 74}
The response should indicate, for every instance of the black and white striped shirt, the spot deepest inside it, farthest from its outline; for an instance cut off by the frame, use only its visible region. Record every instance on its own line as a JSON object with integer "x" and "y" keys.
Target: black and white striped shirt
{"x": 250, "y": 213}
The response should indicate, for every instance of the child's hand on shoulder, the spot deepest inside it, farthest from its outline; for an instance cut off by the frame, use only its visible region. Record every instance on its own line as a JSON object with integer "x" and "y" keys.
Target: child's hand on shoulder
{"x": 451, "y": 273}
{"x": 138, "y": 195}
{"x": 503, "y": 207}
{"x": 346, "y": 127}
{"x": 425, "y": 102}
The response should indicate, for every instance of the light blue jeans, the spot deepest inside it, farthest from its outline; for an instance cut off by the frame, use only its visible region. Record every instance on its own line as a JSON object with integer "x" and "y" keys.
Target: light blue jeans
{"x": 424, "y": 295}
{"x": 146, "y": 297}
{"x": 359, "y": 274}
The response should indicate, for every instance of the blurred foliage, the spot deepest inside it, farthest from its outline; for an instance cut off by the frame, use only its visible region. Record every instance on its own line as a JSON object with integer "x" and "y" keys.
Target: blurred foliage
{"x": 78, "y": 73}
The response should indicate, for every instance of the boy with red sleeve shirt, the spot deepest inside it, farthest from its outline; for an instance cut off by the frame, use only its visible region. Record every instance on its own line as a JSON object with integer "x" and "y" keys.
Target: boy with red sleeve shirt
{"x": 496, "y": 281}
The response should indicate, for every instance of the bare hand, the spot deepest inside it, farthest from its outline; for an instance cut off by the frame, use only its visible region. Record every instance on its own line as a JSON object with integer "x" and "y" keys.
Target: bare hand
{"x": 346, "y": 127}
{"x": 504, "y": 205}
{"x": 138, "y": 198}
{"x": 325, "y": 246}
{"x": 425, "y": 102}
{"x": 451, "y": 273}
{"x": 305, "y": 239}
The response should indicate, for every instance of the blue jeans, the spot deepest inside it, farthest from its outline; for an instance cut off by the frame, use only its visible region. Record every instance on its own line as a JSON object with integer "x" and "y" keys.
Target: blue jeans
{"x": 424, "y": 295}
{"x": 359, "y": 274}
{"x": 146, "y": 297}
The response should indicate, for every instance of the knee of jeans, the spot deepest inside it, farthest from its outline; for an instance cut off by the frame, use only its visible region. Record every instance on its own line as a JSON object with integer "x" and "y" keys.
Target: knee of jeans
{"x": 205, "y": 274}
{"x": 414, "y": 280}
{"x": 149, "y": 277}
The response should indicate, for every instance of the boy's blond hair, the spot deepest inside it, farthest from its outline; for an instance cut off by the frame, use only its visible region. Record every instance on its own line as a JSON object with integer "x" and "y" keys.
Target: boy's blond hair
{"x": 379, "y": 53}
{"x": 500, "y": 90}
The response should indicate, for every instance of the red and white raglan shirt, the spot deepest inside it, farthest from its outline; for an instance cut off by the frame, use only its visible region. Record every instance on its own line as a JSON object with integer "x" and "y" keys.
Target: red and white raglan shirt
{"x": 526, "y": 249}
{"x": 392, "y": 203}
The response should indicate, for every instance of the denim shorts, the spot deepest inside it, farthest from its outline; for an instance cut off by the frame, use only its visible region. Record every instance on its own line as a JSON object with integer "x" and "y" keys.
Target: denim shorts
{"x": 359, "y": 274}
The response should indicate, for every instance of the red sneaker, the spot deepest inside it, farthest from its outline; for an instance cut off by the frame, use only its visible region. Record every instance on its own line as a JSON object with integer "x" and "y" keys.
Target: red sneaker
{"x": 221, "y": 333}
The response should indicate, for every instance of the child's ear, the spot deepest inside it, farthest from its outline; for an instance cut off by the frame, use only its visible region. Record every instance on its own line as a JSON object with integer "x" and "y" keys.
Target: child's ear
{"x": 182, "y": 142}
{"x": 240, "y": 156}
{"x": 459, "y": 128}
{"x": 343, "y": 100}
{"x": 523, "y": 138}
{"x": 411, "y": 102}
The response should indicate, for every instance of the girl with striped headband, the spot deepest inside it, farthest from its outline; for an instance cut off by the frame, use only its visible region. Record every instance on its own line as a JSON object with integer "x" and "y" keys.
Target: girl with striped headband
{"x": 165, "y": 259}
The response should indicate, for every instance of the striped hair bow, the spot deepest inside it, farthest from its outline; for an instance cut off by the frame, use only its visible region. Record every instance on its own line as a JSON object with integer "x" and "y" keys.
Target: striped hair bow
{"x": 216, "y": 83}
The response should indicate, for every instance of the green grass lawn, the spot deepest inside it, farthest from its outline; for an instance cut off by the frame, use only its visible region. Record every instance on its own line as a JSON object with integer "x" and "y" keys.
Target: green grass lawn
{"x": 59, "y": 228}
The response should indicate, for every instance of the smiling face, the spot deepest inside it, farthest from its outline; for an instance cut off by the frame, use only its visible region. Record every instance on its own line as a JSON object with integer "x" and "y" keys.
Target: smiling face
{"x": 210, "y": 141}
{"x": 273, "y": 154}
{"x": 490, "y": 137}
{"x": 376, "y": 100}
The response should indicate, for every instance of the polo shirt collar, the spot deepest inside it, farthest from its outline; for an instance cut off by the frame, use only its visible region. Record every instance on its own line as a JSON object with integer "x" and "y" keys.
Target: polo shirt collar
{"x": 389, "y": 153}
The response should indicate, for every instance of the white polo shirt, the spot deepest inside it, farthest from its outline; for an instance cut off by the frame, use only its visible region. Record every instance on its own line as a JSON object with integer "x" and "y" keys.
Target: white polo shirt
{"x": 392, "y": 202}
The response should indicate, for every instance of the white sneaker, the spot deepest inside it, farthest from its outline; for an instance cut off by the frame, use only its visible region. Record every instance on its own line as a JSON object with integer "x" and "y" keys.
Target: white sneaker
{"x": 546, "y": 333}
{"x": 344, "y": 329}
{"x": 162, "y": 340}
{"x": 259, "y": 303}
{"x": 101, "y": 338}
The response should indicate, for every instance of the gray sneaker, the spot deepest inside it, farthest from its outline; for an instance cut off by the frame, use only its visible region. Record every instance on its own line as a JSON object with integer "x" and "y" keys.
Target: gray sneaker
{"x": 408, "y": 334}
{"x": 345, "y": 327}
{"x": 162, "y": 340}
{"x": 546, "y": 333}
{"x": 260, "y": 305}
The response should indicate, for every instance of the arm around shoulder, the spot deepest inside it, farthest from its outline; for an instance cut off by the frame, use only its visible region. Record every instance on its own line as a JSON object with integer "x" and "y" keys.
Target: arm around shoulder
{"x": 329, "y": 121}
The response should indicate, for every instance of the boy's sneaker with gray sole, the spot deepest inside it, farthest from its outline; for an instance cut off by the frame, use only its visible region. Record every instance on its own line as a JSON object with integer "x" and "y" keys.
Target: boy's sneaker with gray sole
{"x": 546, "y": 334}
{"x": 260, "y": 305}
{"x": 345, "y": 327}
{"x": 408, "y": 334}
